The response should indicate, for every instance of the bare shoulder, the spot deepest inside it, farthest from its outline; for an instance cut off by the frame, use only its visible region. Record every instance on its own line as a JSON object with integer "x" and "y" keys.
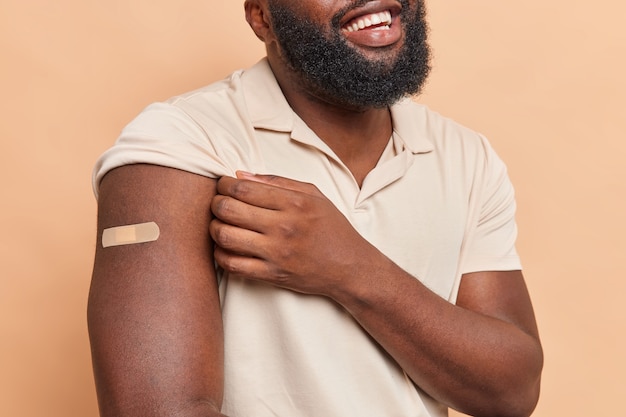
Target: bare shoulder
{"x": 153, "y": 313}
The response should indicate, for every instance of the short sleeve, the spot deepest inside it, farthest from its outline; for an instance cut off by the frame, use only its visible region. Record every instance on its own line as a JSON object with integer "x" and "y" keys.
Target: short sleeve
{"x": 163, "y": 134}
{"x": 490, "y": 245}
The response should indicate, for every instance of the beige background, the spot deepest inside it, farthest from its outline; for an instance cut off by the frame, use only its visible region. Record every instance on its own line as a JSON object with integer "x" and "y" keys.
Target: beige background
{"x": 542, "y": 79}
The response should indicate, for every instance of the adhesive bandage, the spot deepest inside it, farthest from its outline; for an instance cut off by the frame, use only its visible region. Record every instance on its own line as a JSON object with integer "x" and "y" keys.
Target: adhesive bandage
{"x": 131, "y": 234}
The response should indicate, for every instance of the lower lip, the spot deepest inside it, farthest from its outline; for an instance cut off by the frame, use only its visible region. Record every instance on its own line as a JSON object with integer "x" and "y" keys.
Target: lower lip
{"x": 376, "y": 38}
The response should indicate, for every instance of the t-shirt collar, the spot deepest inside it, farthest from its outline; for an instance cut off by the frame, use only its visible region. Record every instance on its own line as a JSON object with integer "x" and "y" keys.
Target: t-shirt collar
{"x": 268, "y": 109}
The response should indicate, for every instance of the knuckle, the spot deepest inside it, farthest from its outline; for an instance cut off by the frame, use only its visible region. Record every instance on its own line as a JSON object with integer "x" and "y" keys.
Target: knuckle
{"x": 287, "y": 230}
{"x": 222, "y": 206}
{"x": 240, "y": 190}
{"x": 285, "y": 253}
{"x": 300, "y": 203}
{"x": 230, "y": 265}
{"x": 226, "y": 261}
{"x": 279, "y": 276}
{"x": 223, "y": 236}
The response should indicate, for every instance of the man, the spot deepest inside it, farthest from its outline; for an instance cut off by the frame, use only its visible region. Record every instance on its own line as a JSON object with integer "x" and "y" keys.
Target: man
{"x": 301, "y": 239}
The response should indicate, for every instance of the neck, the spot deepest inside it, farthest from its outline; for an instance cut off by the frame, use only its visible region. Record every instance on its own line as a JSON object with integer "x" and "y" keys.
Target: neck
{"x": 358, "y": 136}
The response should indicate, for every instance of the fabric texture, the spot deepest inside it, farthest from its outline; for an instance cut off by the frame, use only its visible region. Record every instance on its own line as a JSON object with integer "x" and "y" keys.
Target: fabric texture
{"x": 439, "y": 204}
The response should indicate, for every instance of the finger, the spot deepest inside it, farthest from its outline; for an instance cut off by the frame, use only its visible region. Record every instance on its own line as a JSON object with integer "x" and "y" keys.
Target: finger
{"x": 257, "y": 193}
{"x": 281, "y": 182}
{"x": 245, "y": 266}
{"x": 235, "y": 239}
{"x": 237, "y": 213}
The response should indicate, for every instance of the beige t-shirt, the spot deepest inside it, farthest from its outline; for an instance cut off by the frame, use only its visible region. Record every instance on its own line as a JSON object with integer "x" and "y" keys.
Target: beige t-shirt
{"x": 439, "y": 204}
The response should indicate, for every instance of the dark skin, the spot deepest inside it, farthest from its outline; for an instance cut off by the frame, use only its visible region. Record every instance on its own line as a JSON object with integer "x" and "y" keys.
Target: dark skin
{"x": 358, "y": 136}
{"x": 154, "y": 313}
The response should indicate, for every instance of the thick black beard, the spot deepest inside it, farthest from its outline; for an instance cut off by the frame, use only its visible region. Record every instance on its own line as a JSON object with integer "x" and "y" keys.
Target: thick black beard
{"x": 336, "y": 72}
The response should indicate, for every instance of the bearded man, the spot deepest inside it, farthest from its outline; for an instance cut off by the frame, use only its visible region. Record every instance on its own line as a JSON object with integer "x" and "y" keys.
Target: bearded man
{"x": 302, "y": 239}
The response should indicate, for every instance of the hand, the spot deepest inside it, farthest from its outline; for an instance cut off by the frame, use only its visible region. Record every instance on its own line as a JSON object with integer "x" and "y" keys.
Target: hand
{"x": 285, "y": 233}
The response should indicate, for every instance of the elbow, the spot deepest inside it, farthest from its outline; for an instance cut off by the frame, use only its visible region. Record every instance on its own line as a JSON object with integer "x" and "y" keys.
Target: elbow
{"x": 518, "y": 402}
{"x": 519, "y": 398}
{"x": 522, "y": 403}
{"x": 516, "y": 392}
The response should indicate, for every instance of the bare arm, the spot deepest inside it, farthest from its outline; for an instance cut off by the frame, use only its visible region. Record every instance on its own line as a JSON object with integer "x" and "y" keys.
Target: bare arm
{"x": 481, "y": 356}
{"x": 154, "y": 316}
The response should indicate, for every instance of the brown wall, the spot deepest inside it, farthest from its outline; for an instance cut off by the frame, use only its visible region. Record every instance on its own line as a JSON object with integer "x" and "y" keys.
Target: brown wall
{"x": 543, "y": 80}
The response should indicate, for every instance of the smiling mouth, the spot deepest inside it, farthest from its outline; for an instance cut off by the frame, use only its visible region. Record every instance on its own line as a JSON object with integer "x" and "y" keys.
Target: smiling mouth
{"x": 373, "y": 21}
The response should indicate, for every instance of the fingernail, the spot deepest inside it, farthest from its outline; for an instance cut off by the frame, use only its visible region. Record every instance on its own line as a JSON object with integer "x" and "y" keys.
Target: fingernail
{"x": 244, "y": 174}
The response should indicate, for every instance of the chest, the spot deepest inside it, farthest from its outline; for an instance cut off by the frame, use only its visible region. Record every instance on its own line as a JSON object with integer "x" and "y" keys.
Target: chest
{"x": 410, "y": 206}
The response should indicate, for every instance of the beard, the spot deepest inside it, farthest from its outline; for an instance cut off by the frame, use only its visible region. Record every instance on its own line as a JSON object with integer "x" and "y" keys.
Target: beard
{"x": 338, "y": 73}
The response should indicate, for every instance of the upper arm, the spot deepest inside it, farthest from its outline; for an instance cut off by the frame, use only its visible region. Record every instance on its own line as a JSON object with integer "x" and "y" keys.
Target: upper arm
{"x": 154, "y": 314}
{"x": 499, "y": 294}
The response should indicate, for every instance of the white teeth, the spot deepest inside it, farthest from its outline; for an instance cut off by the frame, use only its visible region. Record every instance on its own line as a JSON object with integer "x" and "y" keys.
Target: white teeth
{"x": 375, "y": 19}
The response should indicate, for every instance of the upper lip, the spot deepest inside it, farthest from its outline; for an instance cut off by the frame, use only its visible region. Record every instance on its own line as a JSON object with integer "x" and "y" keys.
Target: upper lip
{"x": 375, "y": 6}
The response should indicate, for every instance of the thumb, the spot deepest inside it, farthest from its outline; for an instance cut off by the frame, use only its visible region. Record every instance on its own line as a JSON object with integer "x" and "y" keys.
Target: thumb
{"x": 280, "y": 182}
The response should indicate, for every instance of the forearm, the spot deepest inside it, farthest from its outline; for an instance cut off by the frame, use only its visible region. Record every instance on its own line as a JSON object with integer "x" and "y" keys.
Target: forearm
{"x": 477, "y": 364}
